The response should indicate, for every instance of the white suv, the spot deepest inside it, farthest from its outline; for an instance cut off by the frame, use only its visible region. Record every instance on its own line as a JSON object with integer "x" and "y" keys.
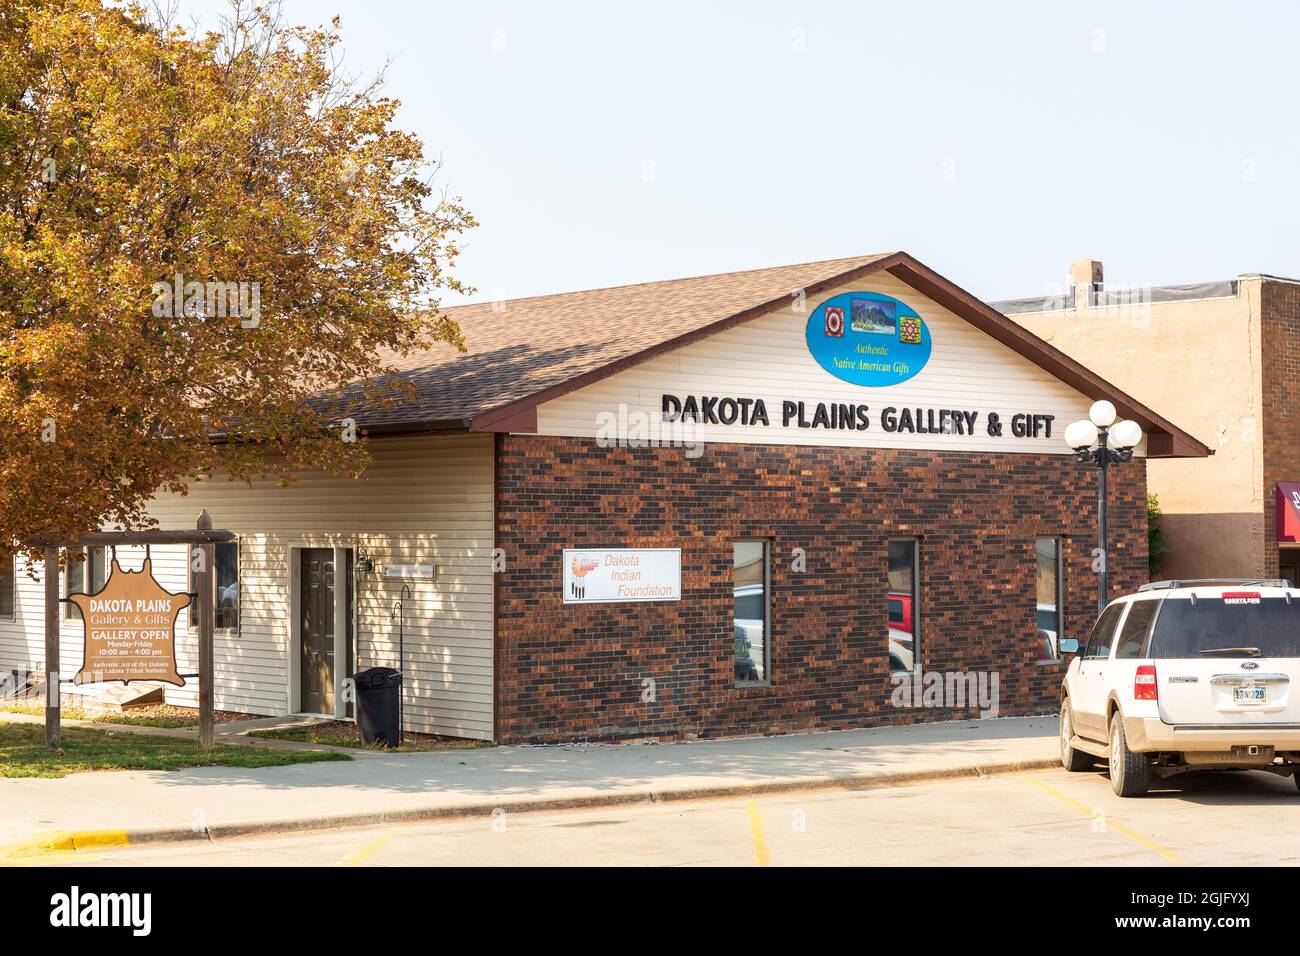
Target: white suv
{"x": 1187, "y": 675}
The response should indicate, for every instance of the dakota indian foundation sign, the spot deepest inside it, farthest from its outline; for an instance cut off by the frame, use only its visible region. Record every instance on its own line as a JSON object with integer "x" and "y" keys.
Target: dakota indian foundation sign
{"x": 130, "y": 629}
{"x": 606, "y": 575}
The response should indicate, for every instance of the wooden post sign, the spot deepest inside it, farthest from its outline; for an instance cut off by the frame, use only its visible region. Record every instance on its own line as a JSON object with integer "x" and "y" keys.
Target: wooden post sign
{"x": 130, "y": 629}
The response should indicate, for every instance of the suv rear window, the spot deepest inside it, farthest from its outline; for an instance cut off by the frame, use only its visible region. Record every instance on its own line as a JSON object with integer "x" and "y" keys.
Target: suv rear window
{"x": 1184, "y": 629}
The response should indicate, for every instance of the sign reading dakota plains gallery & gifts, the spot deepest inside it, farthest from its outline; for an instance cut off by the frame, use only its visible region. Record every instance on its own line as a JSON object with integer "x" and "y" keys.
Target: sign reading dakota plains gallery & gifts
{"x": 605, "y": 575}
{"x": 130, "y": 629}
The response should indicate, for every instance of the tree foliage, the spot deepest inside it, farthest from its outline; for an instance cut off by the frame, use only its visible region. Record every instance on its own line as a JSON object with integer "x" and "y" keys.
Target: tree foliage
{"x": 135, "y": 152}
{"x": 1157, "y": 542}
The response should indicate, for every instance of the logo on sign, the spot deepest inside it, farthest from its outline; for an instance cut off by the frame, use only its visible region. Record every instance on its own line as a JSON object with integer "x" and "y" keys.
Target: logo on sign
{"x": 835, "y": 322}
{"x": 580, "y": 565}
{"x": 883, "y": 342}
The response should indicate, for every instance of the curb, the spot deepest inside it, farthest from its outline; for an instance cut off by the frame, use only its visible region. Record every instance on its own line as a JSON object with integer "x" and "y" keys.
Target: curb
{"x": 74, "y": 840}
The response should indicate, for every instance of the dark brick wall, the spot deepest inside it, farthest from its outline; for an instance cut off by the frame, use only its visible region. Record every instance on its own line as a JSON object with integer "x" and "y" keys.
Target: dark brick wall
{"x": 577, "y": 671}
{"x": 1280, "y": 364}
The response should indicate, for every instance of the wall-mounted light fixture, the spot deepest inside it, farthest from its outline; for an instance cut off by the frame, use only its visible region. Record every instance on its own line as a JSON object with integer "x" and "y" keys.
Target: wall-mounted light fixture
{"x": 365, "y": 565}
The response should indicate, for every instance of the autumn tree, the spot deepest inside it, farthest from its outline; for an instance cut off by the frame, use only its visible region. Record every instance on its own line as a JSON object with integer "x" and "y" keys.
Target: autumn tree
{"x": 200, "y": 234}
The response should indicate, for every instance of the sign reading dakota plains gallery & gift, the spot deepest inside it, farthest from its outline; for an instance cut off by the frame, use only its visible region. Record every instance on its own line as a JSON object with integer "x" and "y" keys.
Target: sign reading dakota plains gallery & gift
{"x": 130, "y": 629}
{"x": 605, "y": 575}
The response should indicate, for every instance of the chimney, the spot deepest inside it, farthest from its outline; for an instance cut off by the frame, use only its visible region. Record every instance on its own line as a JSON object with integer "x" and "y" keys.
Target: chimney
{"x": 1085, "y": 280}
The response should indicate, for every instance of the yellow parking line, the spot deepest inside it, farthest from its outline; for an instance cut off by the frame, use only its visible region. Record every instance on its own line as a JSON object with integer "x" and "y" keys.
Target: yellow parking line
{"x": 356, "y": 859}
{"x": 1110, "y": 823}
{"x": 60, "y": 841}
{"x": 756, "y": 830}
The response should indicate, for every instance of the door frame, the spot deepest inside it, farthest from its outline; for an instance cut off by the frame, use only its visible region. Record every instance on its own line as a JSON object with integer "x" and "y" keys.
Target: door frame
{"x": 344, "y": 550}
{"x": 1292, "y": 552}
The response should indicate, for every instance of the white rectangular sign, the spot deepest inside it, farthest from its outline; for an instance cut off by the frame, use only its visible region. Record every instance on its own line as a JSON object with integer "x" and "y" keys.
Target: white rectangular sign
{"x": 422, "y": 571}
{"x": 603, "y": 575}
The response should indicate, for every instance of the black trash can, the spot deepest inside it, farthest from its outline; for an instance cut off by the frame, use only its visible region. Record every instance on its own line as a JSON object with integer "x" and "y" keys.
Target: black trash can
{"x": 378, "y": 690}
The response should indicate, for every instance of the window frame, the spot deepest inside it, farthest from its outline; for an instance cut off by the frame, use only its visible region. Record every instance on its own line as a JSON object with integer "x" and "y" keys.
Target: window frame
{"x": 766, "y": 680}
{"x": 916, "y": 603}
{"x": 1119, "y": 610}
{"x": 13, "y": 590}
{"x": 70, "y": 610}
{"x": 1145, "y": 634}
{"x": 192, "y": 616}
{"x": 1060, "y": 594}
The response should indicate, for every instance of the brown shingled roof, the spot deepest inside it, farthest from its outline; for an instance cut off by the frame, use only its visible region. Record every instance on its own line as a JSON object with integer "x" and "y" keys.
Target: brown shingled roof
{"x": 526, "y": 351}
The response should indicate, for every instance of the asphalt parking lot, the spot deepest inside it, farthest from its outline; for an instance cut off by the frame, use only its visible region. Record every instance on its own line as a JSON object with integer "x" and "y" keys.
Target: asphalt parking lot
{"x": 1047, "y": 817}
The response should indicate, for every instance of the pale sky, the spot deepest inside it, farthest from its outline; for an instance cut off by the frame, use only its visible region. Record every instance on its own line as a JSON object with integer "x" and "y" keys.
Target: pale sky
{"x": 607, "y": 143}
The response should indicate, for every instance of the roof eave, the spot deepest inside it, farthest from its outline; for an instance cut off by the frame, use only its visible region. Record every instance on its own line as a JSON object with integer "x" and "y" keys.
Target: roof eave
{"x": 1165, "y": 439}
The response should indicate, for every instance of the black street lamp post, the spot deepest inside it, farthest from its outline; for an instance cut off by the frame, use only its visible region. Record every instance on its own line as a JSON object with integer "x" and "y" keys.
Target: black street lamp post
{"x": 1100, "y": 442}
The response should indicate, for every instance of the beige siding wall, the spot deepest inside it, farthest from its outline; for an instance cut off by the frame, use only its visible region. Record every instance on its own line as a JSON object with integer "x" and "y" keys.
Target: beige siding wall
{"x": 424, "y": 500}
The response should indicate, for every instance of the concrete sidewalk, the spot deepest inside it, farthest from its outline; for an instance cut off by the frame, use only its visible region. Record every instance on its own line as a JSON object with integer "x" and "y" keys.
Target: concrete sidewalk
{"x": 205, "y": 803}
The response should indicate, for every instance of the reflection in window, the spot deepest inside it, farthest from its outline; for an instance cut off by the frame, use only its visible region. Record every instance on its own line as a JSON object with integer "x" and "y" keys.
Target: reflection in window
{"x": 227, "y": 583}
{"x": 1049, "y": 590}
{"x": 85, "y": 573}
{"x": 749, "y": 584}
{"x": 904, "y": 648}
{"x": 6, "y": 585}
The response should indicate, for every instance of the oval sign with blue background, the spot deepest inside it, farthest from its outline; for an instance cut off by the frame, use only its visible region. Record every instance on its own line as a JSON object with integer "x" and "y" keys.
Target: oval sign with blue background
{"x": 867, "y": 338}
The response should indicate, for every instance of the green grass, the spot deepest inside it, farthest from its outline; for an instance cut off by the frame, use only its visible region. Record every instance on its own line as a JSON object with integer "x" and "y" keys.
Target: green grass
{"x": 326, "y": 736}
{"x": 136, "y": 720}
{"x": 23, "y": 753}
{"x": 73, "y": 712}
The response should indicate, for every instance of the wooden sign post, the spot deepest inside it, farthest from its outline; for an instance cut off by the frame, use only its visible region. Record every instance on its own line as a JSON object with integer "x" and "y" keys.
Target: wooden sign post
{"x": 52, "y": 729}
{"x": 130, "y": 624}
{"x": 207, "y": 620}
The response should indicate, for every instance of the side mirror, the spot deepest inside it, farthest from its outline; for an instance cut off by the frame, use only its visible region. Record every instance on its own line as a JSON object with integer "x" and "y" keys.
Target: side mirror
{"x": 1069, "y": 645}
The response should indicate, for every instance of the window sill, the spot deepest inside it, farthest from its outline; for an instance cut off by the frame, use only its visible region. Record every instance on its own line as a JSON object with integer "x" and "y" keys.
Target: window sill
{"x": 1049, "y": 663}
{"x": 751, "y": 685}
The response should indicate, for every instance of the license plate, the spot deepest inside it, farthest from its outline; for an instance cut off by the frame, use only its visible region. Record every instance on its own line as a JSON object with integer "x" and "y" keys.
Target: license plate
{"x": 1250, "y": 695}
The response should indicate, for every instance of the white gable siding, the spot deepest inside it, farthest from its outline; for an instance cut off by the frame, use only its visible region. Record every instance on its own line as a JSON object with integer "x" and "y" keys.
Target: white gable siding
{"x": 768, "y": 358}
{"x": 424, "y": 500}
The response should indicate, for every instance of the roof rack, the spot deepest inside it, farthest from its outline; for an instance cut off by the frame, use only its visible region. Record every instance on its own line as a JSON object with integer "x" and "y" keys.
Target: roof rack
{"x": 1197, "y": 582}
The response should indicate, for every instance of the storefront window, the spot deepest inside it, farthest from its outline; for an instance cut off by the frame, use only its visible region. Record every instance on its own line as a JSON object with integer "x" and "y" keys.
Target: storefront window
{"x": 904, "y": 644}
{"x": 749, "y": 589}
{"x": 85, "y": 573}
{"x": 6, "y": 586}
{"x": 1049, "y": 591}
{"x": 226, "y": 587}
{"x": 227, "y": 581}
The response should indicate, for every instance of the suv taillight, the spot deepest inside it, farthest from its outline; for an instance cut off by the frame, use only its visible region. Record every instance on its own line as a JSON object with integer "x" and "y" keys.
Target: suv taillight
{"x": 1144, "y": 683}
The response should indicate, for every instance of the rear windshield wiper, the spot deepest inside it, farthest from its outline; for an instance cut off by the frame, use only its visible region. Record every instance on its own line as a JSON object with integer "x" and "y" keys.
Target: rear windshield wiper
{"x": 1231, "y": 652}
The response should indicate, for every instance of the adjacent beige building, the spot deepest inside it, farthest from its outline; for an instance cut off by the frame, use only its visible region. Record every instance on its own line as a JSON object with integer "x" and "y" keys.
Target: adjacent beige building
{"x": 1215, "y": 356}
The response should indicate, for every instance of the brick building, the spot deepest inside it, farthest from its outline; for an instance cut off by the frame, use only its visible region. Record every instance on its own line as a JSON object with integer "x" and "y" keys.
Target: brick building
{"x": 1225, "y": 356}
{"x": 750, "y": 503}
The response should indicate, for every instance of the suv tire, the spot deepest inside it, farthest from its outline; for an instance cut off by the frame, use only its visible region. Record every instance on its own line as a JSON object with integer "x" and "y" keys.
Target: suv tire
{"x": 1130, "y": 773}
{"x": 1073, "y": 760}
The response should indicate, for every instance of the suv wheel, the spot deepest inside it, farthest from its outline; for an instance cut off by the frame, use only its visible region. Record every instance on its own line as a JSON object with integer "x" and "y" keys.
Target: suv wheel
{"x": 1130, "y": 773}
{"x": 1072, "y": 760}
